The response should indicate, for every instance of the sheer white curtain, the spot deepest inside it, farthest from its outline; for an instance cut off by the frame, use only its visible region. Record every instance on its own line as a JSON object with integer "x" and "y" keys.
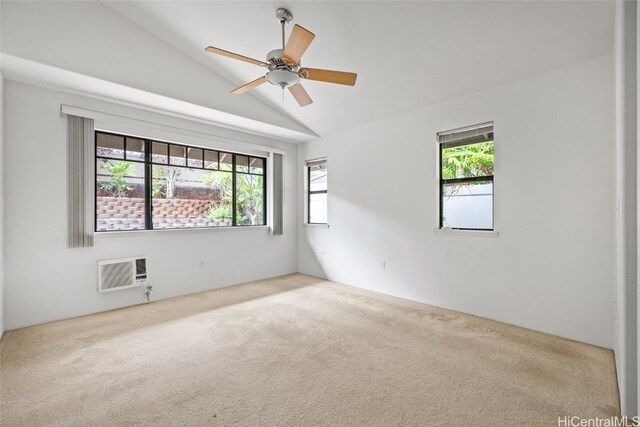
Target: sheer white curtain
{"x": 80, "y": 181}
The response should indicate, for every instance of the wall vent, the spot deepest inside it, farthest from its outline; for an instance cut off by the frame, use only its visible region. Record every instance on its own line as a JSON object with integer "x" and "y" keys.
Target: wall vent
{"x": 123, "y": 273}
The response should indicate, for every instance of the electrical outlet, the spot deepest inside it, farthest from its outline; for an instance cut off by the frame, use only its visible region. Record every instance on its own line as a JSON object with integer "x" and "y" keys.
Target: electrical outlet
{"x": 383, "y": 265}
{"x": 201, "y": 265}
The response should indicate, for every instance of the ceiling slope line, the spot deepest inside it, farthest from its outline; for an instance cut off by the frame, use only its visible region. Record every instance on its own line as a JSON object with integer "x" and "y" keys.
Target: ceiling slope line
{"x": 463, "y": 96}
{"x": 136, "y": 14}
{"x": 38, "y": 74}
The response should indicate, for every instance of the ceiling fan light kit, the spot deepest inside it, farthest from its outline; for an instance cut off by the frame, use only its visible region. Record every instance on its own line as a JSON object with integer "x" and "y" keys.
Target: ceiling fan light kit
{"x": 283, "y": 78}
{"x": 284, "y": 64}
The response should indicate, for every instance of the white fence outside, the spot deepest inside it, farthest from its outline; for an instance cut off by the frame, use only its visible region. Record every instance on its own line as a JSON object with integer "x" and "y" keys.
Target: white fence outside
{"x": 469, "y": 207}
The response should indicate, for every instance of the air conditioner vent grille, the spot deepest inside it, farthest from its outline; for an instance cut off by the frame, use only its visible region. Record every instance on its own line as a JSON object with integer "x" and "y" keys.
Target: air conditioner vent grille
{"x": 116, "y": 275}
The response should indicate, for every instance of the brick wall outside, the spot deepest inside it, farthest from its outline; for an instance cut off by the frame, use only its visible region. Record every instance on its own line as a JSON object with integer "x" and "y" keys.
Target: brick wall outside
{"x": 127, "y": 213}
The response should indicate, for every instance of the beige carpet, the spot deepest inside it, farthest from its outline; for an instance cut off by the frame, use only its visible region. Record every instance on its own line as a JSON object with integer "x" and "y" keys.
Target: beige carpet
{"x": 296, "y": 351}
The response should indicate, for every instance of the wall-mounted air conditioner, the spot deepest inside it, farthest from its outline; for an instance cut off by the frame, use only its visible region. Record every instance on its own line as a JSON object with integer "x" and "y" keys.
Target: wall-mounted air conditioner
{"x": 123, "y": 273}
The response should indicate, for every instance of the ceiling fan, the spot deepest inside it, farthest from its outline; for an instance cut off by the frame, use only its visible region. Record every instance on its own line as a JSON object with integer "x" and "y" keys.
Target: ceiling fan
{"x": 283, "y": 65}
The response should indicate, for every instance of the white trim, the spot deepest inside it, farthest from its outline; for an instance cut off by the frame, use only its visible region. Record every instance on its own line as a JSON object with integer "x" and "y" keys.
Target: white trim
{"x": 312, "y": 225}
{"x": 312, "y": 162}
{"x": 131, "y": 233}
{"x": 465, "y": 132}
{"x": 465, "y": 233}
{"x": 227, "y": 143}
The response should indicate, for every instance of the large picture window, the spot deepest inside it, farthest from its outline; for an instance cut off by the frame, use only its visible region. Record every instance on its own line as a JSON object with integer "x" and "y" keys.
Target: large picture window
{"x": 316, "y": 191}
{"x": 466, "y": 178}
{"x": 143, "y": 184}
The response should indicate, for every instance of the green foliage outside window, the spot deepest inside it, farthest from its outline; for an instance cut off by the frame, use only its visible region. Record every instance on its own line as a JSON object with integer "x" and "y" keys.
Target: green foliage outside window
{"x": 468, "y": 161}
{"x": 164, "y": 181}
{"x": 220, "y": 211}
{"x": 220, "y": 183}
{"x": 249, "y": 197}
{"x": 117, "y": 185}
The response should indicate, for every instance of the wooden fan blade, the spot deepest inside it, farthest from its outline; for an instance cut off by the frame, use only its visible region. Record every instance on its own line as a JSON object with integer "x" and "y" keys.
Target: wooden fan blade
{"x": 246, "y": 88}
{"x": 329, "y": 76}
{"x": 300, "y": 95}
{"x": 228, "y": 54}
{"x": 298, "y": 42}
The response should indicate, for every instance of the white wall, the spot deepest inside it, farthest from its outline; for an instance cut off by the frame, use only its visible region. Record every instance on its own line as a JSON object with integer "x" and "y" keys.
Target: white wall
{"x": 552, "y": 266}
{"x": 46, "y": 281}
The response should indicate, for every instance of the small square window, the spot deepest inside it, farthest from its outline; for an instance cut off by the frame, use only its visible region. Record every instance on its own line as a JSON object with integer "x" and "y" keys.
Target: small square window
{"x": 135, "y": 149}
{"x": 177, "y": 155}
{"x": 226, "y": 161}
{"x": 242, "y": 164}
{"x": 256, "y": 166}
{"x": 194, "y": 157}
{"x": 211, "y": 159}
{"x": 111, "y": 146}
{"x": 159, "y": 153}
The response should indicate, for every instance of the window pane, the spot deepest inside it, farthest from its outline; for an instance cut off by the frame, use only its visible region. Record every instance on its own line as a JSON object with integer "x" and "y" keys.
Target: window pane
{"x": 159, "y": 152}
{"x": 194, "y": 157}
{"x": 177, "y": 155}
{"x": 468, "y": 161}
{"x": 317, "y": 178}
{"x": 189, "y": 198}
{"x": 220, "y": 184}
{"x": 135, "y": 149}
{"x": 210, "y": 159}
{"x": 110, "y": 145}
{"x": 318, "y": 208}
{"x": 242, "y": 164}
{"x": 249, "y": 199}
{"x": 119, "y": 195}
{"x": 468, "y": 205}
{"x": 226, "y": 162}
{"x": 256, "y": 166}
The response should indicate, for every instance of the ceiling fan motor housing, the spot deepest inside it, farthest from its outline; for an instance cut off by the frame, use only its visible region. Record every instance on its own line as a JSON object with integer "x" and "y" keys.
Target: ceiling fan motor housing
{"x": 282, "y": 71}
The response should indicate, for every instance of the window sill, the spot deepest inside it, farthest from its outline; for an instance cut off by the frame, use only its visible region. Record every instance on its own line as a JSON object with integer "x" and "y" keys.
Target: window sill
{"x": 307, "y": 225}
{"x": 101, "y": 234}
{"x": 467, "y": 233}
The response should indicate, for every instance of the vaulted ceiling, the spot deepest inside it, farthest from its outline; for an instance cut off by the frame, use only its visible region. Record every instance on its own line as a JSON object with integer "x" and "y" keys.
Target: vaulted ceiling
{"x": 407, "y": 55}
